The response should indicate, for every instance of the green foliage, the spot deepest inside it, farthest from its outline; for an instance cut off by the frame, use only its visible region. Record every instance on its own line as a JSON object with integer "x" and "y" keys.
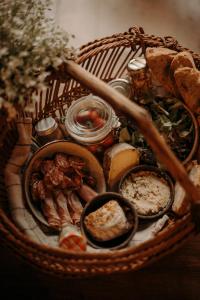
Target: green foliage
{"x": 173, "y": 122}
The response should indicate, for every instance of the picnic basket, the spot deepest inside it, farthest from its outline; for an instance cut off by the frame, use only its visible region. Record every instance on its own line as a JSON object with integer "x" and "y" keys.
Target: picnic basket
{"x": 105, "y": 59}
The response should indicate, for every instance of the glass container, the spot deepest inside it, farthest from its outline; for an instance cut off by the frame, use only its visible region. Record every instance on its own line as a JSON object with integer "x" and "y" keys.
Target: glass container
{"x": 92, "y": 122}
{"x": 47, "y": 130}
{"x": 140, "y": 76}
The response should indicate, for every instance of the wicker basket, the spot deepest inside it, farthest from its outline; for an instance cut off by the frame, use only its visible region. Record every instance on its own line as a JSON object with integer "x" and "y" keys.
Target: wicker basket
{"x": 107, "y": 59}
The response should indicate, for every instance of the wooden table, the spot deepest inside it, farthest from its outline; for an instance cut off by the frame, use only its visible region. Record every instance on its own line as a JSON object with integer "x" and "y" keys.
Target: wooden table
{"x": 176, "y": 276}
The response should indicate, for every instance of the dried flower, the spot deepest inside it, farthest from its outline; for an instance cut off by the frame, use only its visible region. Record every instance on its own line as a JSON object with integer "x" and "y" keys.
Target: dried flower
{"x": 30, "y": 43}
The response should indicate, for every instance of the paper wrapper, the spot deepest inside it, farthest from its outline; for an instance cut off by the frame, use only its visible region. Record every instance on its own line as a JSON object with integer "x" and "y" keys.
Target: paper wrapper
{"x": 72, "y": 239}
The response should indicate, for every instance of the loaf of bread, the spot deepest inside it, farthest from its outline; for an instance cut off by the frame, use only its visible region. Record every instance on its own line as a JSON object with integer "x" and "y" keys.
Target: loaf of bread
{"x": 177, "y": 73}
{"x": 188, "y": 83}
{"x": 159, "y": 61}
{"x": 182, "y": 59}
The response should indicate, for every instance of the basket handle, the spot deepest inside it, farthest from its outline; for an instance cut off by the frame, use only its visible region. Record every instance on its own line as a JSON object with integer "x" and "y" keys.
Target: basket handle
{"x": 142, "y": 120}
{"x": 153, "y": 41}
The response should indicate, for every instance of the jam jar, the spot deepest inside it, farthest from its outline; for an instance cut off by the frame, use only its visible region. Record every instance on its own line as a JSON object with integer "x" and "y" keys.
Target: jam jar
{"x": 92, "y": 122}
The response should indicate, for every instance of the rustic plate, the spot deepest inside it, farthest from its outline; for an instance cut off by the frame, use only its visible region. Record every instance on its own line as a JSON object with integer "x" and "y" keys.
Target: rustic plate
{"x": 49, "y": 150}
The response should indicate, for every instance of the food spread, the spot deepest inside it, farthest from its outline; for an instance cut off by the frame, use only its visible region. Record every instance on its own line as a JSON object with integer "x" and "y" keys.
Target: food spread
{"x": 149, "y": 193}
{"x": 61, "y": 184}
{"x": 53, "y": 184}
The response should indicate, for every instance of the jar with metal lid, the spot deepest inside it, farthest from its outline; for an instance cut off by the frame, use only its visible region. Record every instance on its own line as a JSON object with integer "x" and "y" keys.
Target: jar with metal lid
{"x": 47, "y": 130}
{"x": 122, "y": 85}
{"x": 140, "y": 76}
{"x": 92, "y": 122}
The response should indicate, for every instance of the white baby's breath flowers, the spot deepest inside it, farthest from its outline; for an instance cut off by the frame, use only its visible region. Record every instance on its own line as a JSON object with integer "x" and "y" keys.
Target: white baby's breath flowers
{"x": 30, "y": 43}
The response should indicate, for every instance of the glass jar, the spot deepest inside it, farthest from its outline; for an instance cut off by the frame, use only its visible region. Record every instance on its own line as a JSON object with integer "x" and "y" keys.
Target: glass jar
{"x": 140, "y": 77}
{"x": 92, "y": 122}
{"x": 47, "y": 130}
{"x": 122, "y": 85}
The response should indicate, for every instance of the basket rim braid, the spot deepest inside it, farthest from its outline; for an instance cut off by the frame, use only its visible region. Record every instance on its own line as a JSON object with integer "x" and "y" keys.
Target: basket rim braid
{"x": 67, "y": 263}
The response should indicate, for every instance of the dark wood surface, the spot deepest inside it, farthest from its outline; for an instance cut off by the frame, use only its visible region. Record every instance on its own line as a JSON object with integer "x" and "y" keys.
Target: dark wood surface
{"x": 176, "y": 276}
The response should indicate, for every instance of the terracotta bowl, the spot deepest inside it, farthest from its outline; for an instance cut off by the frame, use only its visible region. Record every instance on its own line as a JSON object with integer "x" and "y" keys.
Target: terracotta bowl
{"x": 160, "y": 174}
{"x": 47, "y": 151}
{"x": 130, "y": 213}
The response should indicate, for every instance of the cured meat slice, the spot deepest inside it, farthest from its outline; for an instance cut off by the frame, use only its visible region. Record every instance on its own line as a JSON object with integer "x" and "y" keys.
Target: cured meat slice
{"x": 76, "y": 207}
{"x": 53, "y": 178}
{"x": 62, "y": 208}
{"x": 62, "y": 162}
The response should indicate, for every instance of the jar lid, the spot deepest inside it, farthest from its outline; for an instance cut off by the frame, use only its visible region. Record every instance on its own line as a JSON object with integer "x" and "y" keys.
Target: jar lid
{"x": 136, "y": 64}
{"x": 122, "y": 85}
{"x": 90, "y": 119}
{"x": 46, "y": 126}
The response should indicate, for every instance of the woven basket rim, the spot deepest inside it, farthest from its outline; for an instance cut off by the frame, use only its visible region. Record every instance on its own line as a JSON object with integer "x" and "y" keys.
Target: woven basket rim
{"x": 9, "y": 229}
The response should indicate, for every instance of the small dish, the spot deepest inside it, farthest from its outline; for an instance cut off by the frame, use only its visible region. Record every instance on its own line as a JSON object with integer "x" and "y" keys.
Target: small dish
{"x": 130, "y": 213}
{"x": 163, "y": 176}
{"x": 47, "y": 151}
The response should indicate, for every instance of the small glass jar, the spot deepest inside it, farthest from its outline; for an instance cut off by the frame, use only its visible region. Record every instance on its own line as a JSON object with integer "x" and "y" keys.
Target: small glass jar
{"x": 140, "y": 76}
{"x": 122, "y": 85}
{"x": 47, "y": 130}
{"x": 92, "y": 122}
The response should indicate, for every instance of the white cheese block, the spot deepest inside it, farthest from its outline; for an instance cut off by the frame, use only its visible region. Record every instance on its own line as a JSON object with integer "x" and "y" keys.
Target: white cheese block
{"x": 117, "y": 160}
{"x": 107, "y": 222}
{"x": 181, "y": 203}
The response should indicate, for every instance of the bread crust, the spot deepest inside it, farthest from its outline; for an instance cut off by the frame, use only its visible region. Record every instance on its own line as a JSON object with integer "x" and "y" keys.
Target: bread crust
{"x": 159, "y": 61}
{"x": 188, "y": 82}
{"x": 181, "y": 60}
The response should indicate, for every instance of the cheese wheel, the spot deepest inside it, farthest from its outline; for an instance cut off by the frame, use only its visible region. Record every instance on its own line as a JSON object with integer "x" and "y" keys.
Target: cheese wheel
{"x": 117, "y": 160}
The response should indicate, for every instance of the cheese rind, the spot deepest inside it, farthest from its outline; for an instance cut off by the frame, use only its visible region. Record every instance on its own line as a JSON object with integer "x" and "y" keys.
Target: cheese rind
{"x": 117, "y": 160}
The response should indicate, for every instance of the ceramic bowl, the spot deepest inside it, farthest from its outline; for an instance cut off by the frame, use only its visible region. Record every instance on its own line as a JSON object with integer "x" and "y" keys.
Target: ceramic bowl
{"x": 130, "y": 213}
{"x": 160, "y": 174}
{"x": 47, "y": 151}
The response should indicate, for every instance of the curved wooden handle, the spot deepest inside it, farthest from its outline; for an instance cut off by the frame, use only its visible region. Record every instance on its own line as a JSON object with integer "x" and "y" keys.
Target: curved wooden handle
{"x": 142, "y": 120}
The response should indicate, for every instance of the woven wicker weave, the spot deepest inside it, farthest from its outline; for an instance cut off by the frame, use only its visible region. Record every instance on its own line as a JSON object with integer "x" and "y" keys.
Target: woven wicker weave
{"x": 107, "y": 59}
